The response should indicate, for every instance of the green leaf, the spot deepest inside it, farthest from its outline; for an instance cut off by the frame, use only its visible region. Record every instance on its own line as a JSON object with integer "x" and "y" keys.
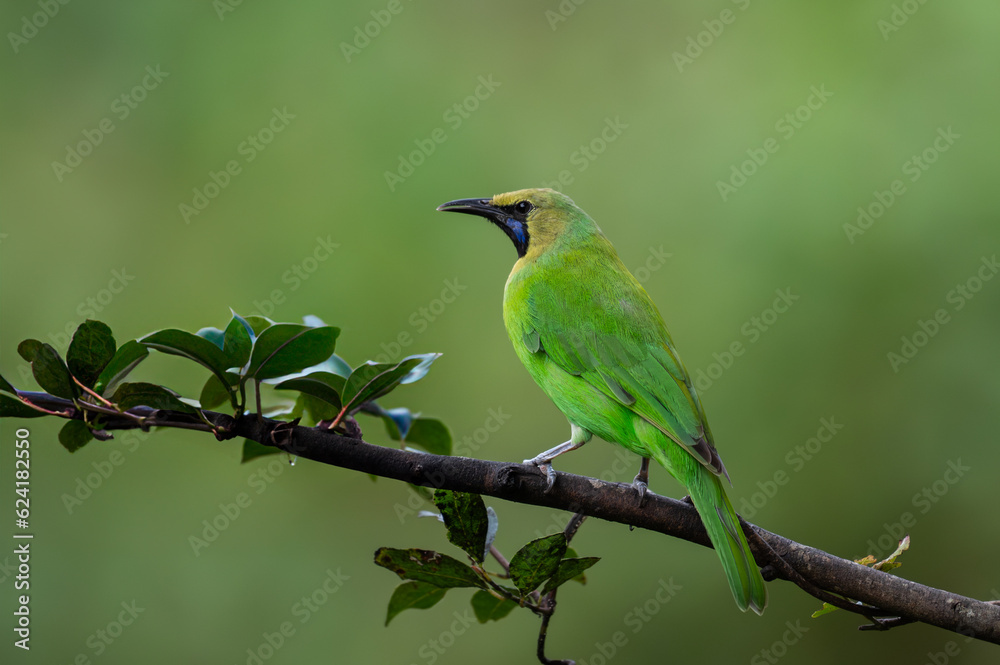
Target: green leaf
{"x": 826, "y": 609}
{"x": 397, "y": 422}
{"x": 128, "y": 355}
{"x": 413, "y": 595}
{"x": 187, "y": 345}
{"x": 285, "y": 348}
{"x": 428, "y": 566}
{"x": 253, "y": 450}
{"x": 130, "y": 395}
{"x": 430, "y": 434}
{"x": 537, "y": 561}
{"x": 11, "y": 407}
{"x": 315, "y": 409}
{"x": 75, "y": 435}
{"x": 321, "y": 385}
{"x": 465, "y": 518}
{"x": 50, "y": 371}
{"x": 213, "y": 393}
{"x": 258, "y": 323}
{"x": 90, "y": 351}
{"x": 373, "y": 380}
{"x": 569, "y": 569}
{"x": 213, "y": 335}
{"x": 237, "y": 341}
{"x": 488, "y": 607}
{"x": 7, "y": 387}
{"x": 28, "y": 348}
{"x": 889, "y": 563}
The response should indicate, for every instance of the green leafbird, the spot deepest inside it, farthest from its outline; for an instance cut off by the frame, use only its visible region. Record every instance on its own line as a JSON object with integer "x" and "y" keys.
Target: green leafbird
{"x": 594, "y": 341}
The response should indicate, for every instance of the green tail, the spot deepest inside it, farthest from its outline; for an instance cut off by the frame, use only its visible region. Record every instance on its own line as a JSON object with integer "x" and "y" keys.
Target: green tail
{"x": 717, "y": 514}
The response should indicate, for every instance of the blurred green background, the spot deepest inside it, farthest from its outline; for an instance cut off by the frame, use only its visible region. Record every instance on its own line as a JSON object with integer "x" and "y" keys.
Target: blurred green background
{"x": 641, "y": 110}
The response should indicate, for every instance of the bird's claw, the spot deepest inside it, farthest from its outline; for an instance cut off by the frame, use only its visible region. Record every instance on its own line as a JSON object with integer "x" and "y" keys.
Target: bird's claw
{"x": 546, "y": 467}
{"x": 640, "y": 487}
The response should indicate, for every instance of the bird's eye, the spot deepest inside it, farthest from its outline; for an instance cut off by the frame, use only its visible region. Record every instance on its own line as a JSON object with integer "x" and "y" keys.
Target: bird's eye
{"x": 522, "y": 207}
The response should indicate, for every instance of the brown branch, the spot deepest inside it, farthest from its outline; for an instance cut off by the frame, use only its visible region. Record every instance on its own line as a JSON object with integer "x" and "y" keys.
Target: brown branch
{"x": 882, "y": 594}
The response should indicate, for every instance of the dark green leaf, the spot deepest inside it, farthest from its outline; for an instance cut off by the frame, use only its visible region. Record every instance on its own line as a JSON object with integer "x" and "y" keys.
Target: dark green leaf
{"x": 7, "y": 387}
{"x": 285, "y": 348}
{"x": 537, "y": 561}
{"x": 90, "y": 351}
{"x": 569, "y": 569}
{"x": 465, "y": 518}
{"x": 187, "y": 345}
{"x": 49, "y": 369}
{"x": 428, "y": 566}
{"x": 321, "y": 385}
{"x": 258, "y": 323}
{"x": 372, "y": 380}
{"x": 339, "y": 366}
{"x": 130, "y": 395}
{"x": 75, "y": 435}
{"x": 128, "y": 355}
{"x": 316, "y": 409}
{"x": 237, "y": 342}
{"x": 213, "y": 393}
{"x": 15, "y": 408}
{"x": 413, "y": 595}
{"x": 28, "y": 348}
{"x": 487, "y": 606}
{"x": 430, "y": 434}
{"x": 253, "y": 450}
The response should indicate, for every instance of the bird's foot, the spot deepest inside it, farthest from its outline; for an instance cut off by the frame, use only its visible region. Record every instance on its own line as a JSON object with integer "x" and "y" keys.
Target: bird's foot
{"x": 687, "y": 499}
{"x": 641, "y": 487}
{"x": 545, "y": 465}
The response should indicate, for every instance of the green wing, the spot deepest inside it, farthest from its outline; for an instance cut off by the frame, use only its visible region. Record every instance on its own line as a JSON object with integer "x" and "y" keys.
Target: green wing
{"x": 610, "y": 334}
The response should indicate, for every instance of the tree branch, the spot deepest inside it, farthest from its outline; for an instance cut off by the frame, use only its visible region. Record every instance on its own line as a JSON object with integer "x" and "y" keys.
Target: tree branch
{"x": 812, "y": 569}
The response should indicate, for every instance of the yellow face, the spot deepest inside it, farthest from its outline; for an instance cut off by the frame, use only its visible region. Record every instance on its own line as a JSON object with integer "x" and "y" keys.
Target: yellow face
{"x": 533, "y": 219}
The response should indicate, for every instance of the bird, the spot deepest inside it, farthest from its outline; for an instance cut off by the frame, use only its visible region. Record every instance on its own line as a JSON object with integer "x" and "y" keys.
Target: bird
{"x": 594, "y": 341}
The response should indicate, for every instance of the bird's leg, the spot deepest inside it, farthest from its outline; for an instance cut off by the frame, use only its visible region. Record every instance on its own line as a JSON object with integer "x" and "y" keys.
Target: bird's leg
{"x": 641, "y": 481}
{"x": 578, "y": 437}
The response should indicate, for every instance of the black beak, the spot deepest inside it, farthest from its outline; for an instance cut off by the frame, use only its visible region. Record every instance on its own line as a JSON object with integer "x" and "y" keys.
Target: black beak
{"x": 481, "y": 207}
{"x": 515, "y": 228}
